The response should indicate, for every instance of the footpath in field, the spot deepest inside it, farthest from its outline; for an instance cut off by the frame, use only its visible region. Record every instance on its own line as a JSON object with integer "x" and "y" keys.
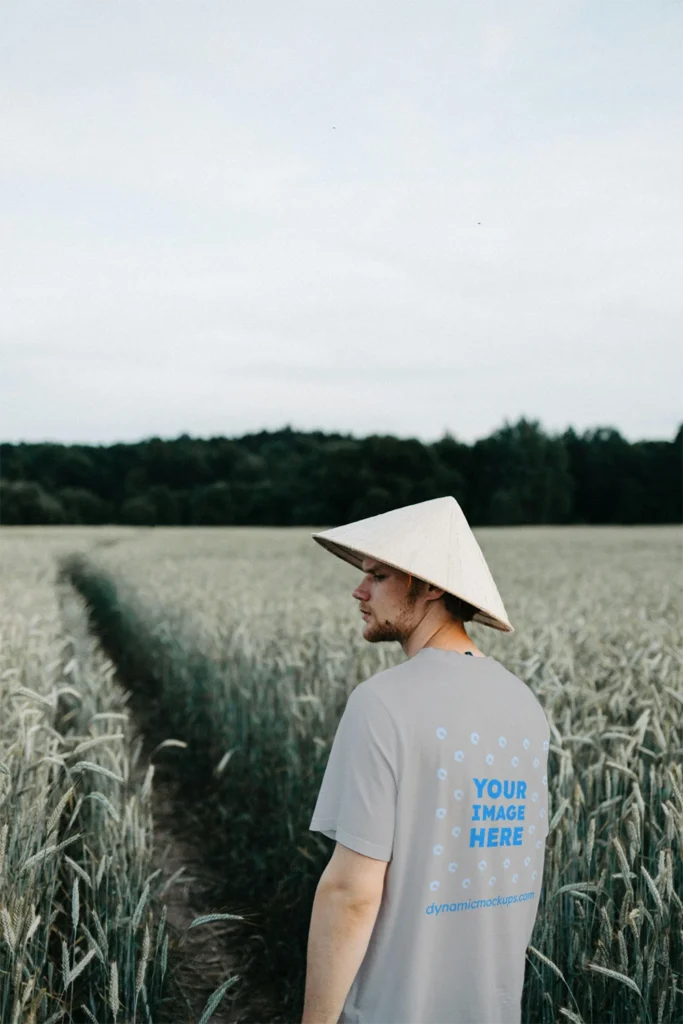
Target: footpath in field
{"x": 203, "y": 956}
{"x": 83, "y": 932}
{"x": 200, "y": 953}
{"x": 104, "y": 899}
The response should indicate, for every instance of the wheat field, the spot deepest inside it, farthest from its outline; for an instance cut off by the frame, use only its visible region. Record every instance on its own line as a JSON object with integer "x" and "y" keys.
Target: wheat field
{"x": 83, "y": 932}
{"x": 244, "y": 645}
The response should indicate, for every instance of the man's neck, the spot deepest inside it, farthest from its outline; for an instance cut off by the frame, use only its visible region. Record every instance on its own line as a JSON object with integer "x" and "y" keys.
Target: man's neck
{"x": 446, "y": 635}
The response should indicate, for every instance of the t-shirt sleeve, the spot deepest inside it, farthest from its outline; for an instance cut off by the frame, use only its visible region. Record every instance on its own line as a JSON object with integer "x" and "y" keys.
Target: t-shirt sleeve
{"x": 356, "y": 804}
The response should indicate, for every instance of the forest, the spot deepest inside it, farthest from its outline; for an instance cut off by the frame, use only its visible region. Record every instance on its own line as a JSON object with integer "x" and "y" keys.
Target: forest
{"x": 519, "y": 475}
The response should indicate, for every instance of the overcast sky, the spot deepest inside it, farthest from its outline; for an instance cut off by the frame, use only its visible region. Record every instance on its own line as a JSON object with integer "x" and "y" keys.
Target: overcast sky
{"x": 372, "y": 216}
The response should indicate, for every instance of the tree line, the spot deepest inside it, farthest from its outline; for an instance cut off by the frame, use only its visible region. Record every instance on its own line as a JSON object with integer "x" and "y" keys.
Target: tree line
{"x": 518, "y": 475}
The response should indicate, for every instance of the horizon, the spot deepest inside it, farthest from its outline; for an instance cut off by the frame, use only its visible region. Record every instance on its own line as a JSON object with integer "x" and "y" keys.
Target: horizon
{"x": 351, "y": 435}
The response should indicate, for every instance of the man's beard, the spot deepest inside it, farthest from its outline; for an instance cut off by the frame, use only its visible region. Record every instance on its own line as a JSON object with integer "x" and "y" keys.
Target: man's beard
{"x": 399, "y": 630}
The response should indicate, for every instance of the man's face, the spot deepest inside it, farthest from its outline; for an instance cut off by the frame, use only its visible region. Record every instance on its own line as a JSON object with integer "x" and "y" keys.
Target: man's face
{"x": 389, "y": 609}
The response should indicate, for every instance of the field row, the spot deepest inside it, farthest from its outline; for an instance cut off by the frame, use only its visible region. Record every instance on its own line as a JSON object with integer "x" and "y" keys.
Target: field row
{"x": 83, "y": 930}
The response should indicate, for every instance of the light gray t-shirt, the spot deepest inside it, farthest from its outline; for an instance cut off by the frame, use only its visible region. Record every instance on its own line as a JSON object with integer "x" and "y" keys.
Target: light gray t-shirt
{"x": 439, "y": 766}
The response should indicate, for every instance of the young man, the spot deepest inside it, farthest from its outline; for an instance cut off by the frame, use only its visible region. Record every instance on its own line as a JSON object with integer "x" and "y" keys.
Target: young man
{"x": 435, "y": 792}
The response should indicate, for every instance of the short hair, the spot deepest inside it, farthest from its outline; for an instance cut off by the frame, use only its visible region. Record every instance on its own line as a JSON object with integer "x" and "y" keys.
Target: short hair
{"x": 456, "y": 607}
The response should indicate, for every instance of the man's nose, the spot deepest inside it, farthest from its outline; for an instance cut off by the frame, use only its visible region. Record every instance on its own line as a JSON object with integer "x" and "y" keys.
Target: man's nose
{"x": 360, "y": 593}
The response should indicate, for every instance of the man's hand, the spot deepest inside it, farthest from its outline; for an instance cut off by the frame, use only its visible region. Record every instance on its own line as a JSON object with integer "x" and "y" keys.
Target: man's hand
{"x": 345, "y": 909}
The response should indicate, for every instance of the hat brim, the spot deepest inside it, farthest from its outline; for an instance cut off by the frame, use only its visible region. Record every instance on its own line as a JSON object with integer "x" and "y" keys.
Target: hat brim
{"x": 355, "y": 557}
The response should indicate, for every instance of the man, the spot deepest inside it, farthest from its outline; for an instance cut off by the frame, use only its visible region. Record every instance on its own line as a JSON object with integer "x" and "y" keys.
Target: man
{"x": 435, "y": 792}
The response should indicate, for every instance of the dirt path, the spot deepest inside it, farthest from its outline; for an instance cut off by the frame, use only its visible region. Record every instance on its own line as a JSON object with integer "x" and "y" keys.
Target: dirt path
{"x": 202, "y": 957}
{"x": 205, "y": 956}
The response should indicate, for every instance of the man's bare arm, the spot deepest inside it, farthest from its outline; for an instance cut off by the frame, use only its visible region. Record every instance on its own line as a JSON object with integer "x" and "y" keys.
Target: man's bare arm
{"x": 345, "y": 909}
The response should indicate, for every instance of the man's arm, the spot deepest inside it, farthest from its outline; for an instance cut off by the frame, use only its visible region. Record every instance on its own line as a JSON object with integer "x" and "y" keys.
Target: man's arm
{"x": 345, "y": 909}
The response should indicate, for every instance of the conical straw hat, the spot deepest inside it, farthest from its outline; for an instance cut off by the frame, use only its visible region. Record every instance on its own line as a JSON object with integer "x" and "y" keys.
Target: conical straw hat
{"x": 431, "y": 540}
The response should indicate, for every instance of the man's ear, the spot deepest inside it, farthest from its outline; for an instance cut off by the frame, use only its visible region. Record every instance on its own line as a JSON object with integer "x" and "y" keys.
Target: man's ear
{"x": 434, "y": 593}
